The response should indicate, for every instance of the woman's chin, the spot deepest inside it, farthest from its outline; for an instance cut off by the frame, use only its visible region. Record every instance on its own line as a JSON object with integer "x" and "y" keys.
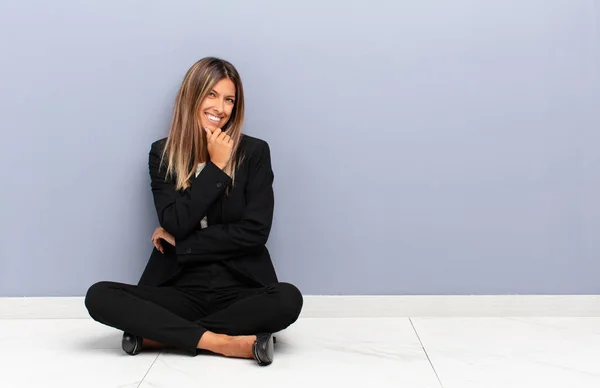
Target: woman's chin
{"x": 210, "y": 126}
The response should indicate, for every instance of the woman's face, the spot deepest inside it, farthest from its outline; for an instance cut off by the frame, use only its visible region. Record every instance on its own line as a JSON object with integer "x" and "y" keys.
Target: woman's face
{"x": 216, "y": 108}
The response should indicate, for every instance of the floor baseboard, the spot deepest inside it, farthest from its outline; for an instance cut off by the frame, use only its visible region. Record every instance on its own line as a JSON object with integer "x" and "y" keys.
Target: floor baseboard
{"x": 453, "y": 306}
{"x": 323, "y": 306}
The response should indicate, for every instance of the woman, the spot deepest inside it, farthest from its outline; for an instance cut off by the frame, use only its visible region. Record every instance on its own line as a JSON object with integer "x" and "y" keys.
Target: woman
{"x": 210, "y": 283}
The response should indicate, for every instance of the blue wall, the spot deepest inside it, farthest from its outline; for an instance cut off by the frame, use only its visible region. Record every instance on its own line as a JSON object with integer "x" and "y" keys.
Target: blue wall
{"x": 419, "y": 147}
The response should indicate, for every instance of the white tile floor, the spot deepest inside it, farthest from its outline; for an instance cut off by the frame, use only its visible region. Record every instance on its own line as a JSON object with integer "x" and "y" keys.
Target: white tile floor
{"x": 353, "y": 352}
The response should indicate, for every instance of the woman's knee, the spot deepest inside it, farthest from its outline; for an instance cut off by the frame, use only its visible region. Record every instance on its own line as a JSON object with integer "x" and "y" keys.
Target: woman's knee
{"x": 95, "y": 297}
{"x": 291, "y": 300}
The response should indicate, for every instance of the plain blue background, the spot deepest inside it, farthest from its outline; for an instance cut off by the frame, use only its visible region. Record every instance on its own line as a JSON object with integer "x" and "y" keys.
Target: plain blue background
{"x": 419, "y": 147}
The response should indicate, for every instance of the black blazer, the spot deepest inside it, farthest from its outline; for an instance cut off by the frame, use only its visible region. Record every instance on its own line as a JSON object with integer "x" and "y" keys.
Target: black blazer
{"x": 239, "y": 222}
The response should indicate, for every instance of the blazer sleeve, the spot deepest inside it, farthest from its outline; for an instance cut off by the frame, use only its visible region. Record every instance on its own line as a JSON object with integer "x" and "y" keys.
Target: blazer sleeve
{"x": 179, "y": 212}
{"x": 251, "y": 232}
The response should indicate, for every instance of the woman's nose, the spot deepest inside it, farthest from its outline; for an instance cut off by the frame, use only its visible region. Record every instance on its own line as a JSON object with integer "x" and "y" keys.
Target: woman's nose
{"x": 220, "y": 106}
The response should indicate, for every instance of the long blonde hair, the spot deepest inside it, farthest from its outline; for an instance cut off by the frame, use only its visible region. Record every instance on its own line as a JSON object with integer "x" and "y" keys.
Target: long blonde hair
{"x": 186, "y": 144}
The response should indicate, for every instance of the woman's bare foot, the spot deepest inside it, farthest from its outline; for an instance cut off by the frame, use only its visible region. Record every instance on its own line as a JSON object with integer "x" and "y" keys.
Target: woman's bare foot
{"x": 229, "y": 346}
{"x": 239, "y": 346}
{"x": 149, "y": 344}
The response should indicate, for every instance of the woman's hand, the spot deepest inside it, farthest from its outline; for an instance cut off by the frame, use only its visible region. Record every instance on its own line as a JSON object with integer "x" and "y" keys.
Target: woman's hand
{"x": 161, "y": 234}
{"x": 220, "y": 146}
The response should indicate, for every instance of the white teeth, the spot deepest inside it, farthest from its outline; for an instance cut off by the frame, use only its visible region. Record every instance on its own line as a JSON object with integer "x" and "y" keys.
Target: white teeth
{"x": 213, "y": 118}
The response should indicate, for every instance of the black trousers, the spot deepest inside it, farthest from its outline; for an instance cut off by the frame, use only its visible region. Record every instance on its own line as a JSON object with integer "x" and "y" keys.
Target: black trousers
{"x": 179, "y": 316}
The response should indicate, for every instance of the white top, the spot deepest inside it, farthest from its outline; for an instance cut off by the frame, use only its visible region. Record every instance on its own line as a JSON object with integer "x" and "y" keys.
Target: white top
{"x": 204, "y": 221}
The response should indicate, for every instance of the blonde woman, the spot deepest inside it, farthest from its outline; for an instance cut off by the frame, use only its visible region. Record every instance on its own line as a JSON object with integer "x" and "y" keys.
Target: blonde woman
{"x": 210, "y": 282}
